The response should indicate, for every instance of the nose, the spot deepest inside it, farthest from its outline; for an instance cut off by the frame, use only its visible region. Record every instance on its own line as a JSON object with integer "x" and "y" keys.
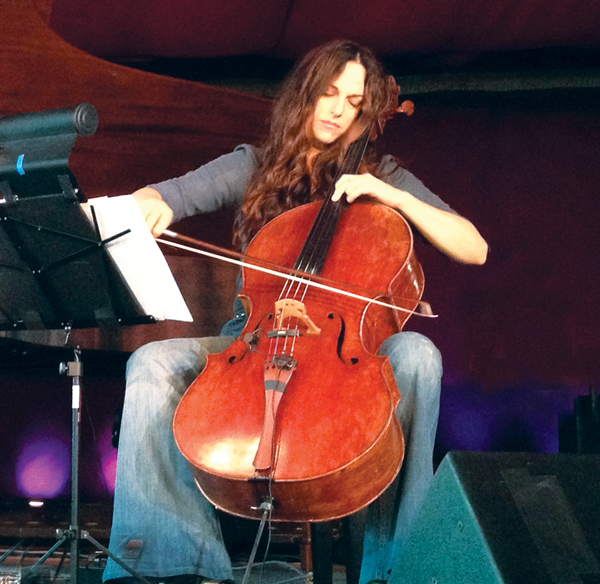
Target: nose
{"x": 337, "y": 106}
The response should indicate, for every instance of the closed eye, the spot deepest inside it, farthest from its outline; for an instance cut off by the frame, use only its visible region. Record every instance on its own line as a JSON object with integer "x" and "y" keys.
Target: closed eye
{"x": 356, "y": 101}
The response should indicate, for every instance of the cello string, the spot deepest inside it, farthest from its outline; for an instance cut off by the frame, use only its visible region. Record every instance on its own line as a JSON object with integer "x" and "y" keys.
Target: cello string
{"x": 313, "y": 253}
{"x": 322, "y": 232}
{"x": 275, "y": 342}
{"x": 323, "y": 229}
{"x": 320, "y": 235}
{"x": 307, "y": 257}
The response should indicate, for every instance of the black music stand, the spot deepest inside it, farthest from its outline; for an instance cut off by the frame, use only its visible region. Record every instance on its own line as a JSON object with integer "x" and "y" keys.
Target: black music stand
{"x": 55, "y": 272}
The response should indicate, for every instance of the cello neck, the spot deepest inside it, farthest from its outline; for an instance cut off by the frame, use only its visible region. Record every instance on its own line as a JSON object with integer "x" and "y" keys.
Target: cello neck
{"x": 314, "y": 252}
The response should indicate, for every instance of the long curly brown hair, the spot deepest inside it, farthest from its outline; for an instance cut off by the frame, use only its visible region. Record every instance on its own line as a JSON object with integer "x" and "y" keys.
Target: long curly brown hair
{"x": 284, "y": 178}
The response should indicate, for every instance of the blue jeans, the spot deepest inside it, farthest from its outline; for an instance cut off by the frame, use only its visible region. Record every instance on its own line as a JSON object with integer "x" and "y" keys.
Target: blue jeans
{"x": 162, "y": 526}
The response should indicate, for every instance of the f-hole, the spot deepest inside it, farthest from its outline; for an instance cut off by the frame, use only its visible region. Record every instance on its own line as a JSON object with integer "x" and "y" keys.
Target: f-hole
{"x": 340, "y": 341}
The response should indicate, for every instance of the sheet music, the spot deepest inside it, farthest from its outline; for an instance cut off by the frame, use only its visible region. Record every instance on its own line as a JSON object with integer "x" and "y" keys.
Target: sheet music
{"x": 138, "y": 257}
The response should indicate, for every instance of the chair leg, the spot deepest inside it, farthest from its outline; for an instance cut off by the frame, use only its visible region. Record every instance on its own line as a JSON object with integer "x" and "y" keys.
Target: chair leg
{"x": 322, "y": 552}
{"x": 305, "y": 545}
{"x": 353, "y": 534}
{"x": 352, "y": 540}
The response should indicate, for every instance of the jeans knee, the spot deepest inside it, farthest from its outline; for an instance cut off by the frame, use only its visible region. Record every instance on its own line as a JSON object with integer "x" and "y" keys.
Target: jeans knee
{"x": 165, "y": 360}
{"x": 414, "y": 348}
{"x": 144, "y": 357}
{"x": 415, "y": 360}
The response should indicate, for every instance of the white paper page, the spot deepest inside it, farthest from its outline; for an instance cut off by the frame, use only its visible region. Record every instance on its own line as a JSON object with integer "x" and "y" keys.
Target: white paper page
{"x": 139, "y": 258}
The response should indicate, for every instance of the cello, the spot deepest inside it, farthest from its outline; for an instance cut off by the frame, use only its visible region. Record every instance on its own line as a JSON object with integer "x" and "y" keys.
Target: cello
{"x": 299, "y": 412}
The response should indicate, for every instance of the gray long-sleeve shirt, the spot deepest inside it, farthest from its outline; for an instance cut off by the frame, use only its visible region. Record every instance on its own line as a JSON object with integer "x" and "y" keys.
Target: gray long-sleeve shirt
{"x": 223, "y": 182}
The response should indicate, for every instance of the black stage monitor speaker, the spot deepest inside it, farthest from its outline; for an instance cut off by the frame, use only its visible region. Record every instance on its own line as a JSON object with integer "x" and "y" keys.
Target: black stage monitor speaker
{"x": 510, "y": 518}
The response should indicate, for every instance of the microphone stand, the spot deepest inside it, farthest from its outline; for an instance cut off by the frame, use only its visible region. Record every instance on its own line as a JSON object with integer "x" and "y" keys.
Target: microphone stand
{"x": 74, "y": 370}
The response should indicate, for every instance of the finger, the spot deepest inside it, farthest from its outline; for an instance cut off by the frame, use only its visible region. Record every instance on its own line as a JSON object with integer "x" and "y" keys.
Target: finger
{"x": 158, "y": 221}
{"x": 163, "y": 222}
{"x": 353, "y": 191}
{"x": 351, "y": 197}
{"x": 157, "y": 217}
{"x": 151, "y": 218}
{"x": 341, "y": 186}
{"x": 338, "y": 192}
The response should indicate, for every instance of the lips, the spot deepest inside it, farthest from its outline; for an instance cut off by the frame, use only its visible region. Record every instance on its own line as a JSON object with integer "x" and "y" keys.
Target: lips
{"x": 329, "y": 125}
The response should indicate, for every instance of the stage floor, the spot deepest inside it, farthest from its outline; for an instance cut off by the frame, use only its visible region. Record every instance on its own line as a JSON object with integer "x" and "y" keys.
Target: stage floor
{"x": 27, "y": 533}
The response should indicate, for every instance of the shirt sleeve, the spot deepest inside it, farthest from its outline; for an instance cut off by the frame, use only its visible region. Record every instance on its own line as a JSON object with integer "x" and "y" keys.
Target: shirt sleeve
{"x": 222, "y": 182}
{"x": 395, "y": 175}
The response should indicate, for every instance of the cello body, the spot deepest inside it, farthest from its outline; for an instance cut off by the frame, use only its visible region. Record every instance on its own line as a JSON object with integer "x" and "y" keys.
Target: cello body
{"x": 333, "y": 441}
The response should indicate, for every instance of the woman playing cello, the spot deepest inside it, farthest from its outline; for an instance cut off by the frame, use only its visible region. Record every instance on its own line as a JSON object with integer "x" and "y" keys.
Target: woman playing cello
{"x": 158, "y": 508}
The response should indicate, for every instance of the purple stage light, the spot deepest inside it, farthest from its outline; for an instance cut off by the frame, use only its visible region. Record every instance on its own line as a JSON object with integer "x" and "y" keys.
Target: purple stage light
{"x": 43, "y": 468}
{"x": 108, "y": 459}
{"x": 109, "y": 469}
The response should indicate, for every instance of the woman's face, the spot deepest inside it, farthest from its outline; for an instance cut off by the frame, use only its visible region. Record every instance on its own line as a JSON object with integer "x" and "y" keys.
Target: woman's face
{"x": 336, "y": 110}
